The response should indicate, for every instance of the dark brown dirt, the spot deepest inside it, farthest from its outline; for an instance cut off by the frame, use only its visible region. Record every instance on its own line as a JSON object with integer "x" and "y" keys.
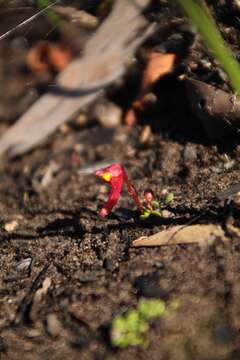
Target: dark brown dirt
{"x": 81, "y": 270}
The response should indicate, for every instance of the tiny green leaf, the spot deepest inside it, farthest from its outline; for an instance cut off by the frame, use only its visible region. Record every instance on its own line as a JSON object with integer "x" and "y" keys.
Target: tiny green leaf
{"x": 155, "y": 204}
{"x": 169, "y": 198}
{"x": 156, "y": 213}
{"x": 130, "y": 329}
{"x": 145, "y": 215}
{"x": 152, "y": 308}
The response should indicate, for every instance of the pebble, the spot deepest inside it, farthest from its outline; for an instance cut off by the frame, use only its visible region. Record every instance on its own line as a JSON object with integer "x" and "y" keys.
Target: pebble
{"x": 145, "y": 134}
{"x": 108, "y": 114}
{"x": 54, "y": 326}
{"x": 33, "y": 333}
{"x": 190, "y": 153}
{"x": 81, "y": 120}
{"x": 11, "y": 226}
{"x": 24, "y": 265}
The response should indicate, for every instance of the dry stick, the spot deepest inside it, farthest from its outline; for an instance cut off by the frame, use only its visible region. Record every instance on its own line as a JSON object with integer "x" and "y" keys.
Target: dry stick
{"x": 25, "y": 22}
{"x": 25, "y": 304}
{"x": 105, "y": 59}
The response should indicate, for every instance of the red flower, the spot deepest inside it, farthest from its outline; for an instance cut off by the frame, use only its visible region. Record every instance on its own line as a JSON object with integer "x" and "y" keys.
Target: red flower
{"x": 115, "y": 175}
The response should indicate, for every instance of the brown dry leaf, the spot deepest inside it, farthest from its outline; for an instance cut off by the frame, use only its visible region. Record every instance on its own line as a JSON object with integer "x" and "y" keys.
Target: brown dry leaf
{"x": 193, "y": 234}
{"x": 158, "y": 65}
{"x": 45, "y": 55}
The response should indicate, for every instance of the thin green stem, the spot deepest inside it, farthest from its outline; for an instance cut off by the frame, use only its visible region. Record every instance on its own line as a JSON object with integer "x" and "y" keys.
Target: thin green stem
{"x": 55, "y": 19}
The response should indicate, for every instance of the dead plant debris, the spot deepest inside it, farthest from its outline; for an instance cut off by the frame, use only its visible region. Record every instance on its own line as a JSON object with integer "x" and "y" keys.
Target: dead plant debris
{"x": 176, "y": 235}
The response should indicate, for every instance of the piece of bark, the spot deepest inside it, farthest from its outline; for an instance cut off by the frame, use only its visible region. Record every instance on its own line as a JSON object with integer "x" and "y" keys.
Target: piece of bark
{"x": 218, "y": 110}
{"x": 193, "y": 234}
{"x": 105, "y": 58}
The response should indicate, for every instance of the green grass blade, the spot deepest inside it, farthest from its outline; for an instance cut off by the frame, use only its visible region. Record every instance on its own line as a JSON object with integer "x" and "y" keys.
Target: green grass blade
{"x": 200, "y": 16}
{"x": 53, "y": 18}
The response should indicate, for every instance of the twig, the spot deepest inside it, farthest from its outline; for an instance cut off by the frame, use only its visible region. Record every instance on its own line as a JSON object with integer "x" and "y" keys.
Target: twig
{"x": 24, "y": 306}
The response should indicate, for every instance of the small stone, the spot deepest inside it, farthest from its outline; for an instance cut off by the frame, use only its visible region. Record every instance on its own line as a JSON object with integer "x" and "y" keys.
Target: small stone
{"x": 159, "y": 264}
{"x": 33, "y": 333}
{"x": 108, "y": 114}
{"x": 164, "y": 192}
{"x": 11, "y": 226}
{"x": 150, "y": 99}
{"x": 81, "y": 120}
{"x": 190, "y": 153}
{"x": 206, "y": 64}
{"x": 145, "y": 134}
{"x": 54, "y": 326}
{"x": 228, "y": 163}
{"x": 24, "y": 265}
{"x": 64, "y": 129}
{"x": 166, "y": 214}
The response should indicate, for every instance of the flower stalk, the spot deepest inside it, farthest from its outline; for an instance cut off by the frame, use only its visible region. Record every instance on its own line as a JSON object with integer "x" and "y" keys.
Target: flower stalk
{"x": 115, "y": 176}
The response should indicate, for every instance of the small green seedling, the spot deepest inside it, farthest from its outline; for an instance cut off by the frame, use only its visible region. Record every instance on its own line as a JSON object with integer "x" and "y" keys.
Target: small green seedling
{"x": 129, "y": 329}
{"x": 152, "y": 206}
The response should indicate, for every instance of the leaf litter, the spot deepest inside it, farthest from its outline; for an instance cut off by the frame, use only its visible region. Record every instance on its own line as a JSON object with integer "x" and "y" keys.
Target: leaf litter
{"x": 93, "y": 266}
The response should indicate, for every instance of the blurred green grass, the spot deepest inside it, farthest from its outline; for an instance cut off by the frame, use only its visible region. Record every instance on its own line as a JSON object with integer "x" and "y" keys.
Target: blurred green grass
{"x": 199, "y": 14}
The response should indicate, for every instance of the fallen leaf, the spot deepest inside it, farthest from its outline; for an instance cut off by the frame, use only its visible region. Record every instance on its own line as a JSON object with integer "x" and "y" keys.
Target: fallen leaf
{"x": 45, "y": 55}
{"x": 193, "y": 234}
{"x": 158, "y": 65}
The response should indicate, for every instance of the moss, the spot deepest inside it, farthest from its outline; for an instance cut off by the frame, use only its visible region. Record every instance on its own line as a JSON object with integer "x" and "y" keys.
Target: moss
{"x": 130, "y": 329}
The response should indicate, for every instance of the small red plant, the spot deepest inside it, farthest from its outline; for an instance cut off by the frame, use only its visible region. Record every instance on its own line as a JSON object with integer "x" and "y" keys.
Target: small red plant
{"x": 116, "y": 176}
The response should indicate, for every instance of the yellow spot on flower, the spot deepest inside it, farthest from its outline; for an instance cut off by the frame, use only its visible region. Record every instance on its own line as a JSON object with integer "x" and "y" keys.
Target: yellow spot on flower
{"x": 106, "y": 176}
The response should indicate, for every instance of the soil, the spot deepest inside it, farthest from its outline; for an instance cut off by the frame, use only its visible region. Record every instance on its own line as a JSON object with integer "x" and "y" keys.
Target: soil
{"x": 66, "y": 272}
